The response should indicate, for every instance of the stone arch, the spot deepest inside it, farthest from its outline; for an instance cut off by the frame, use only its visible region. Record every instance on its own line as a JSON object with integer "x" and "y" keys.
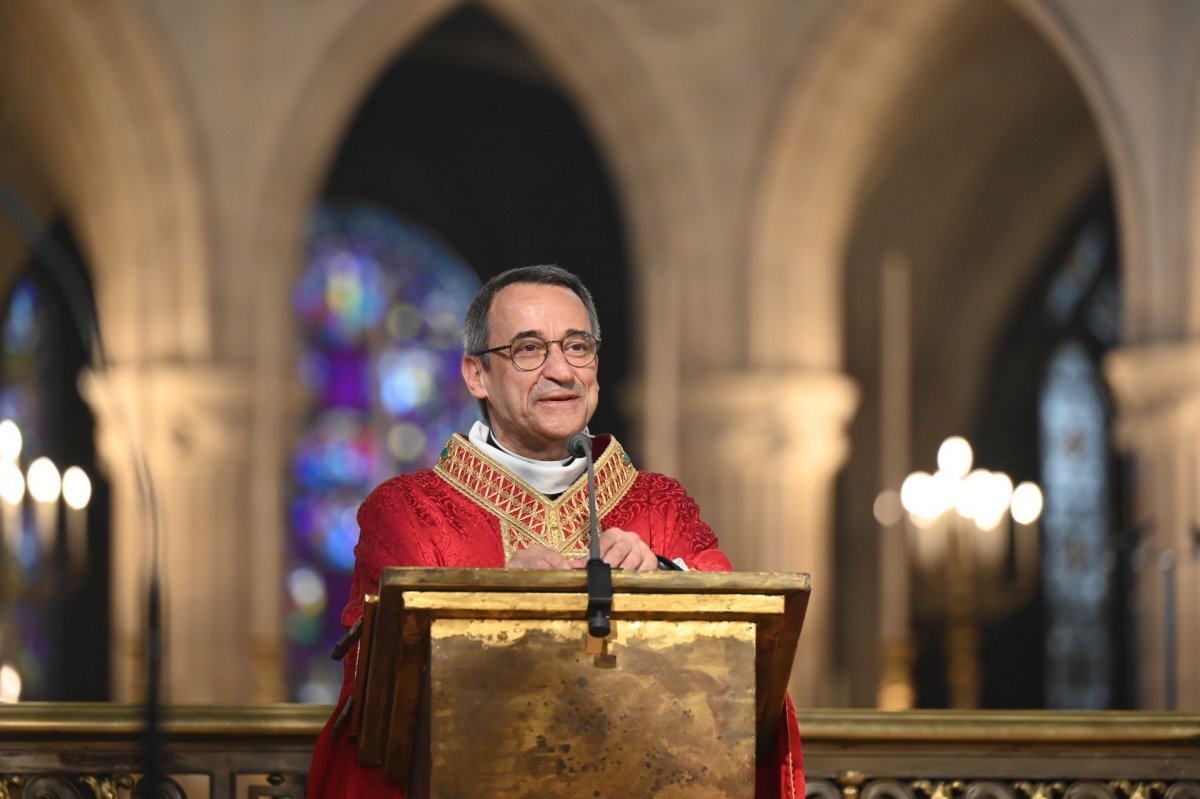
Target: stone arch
{"x": 1133, "y": 196}
{"x": 101, "y": 127}
{"x": 829, "y": 136}
{"x": 101, "y": 138}
{"x": 1192, "y": 198}
{"x": 841, "y": 141}
{"x": 814, "y": 167}
{"x": 636, "y": 137}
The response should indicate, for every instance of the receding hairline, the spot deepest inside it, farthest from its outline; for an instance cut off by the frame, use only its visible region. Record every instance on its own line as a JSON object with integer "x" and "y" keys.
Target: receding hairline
{"x": 538, "y": 285}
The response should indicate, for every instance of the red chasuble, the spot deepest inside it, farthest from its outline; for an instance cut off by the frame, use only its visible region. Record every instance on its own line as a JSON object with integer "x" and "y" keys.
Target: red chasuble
{"x": 470, "y": 512}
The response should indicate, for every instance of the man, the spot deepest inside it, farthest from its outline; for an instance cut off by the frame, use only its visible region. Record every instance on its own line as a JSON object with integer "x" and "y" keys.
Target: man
{"x": 509, "y": 495}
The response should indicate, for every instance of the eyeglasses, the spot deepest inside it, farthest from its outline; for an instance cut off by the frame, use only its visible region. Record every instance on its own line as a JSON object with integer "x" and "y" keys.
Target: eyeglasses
{"x": 529, "y": 352}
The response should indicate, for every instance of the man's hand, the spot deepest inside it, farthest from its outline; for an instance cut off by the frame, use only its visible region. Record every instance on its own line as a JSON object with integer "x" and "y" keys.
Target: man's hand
{"x": 536, "y": 556}
{"x": 622, "y": 549}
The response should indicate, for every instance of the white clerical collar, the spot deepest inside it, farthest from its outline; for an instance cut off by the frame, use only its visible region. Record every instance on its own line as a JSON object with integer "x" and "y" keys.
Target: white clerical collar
{"x": 549, "y": 477}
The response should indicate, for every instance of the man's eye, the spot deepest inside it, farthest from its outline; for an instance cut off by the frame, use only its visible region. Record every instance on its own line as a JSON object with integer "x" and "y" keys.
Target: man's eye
{"x": 527, "y": 346}
{"x": 577, "y": 346}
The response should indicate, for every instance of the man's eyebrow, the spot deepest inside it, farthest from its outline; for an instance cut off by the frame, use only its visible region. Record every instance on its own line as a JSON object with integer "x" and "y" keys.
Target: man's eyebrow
{"x": 527, "y": 333}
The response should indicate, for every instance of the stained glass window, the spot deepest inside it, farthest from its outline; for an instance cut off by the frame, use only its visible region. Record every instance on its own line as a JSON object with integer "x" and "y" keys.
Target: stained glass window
{"x": 25, "y": 642}
{"x": 1076, "y": 533}
{"x": 381, "y": 303}
{"x": 1079, "y": 537}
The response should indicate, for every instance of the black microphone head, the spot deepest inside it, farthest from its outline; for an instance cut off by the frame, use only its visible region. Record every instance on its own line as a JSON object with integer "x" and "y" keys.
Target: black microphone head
{"x": 580, "y": 445}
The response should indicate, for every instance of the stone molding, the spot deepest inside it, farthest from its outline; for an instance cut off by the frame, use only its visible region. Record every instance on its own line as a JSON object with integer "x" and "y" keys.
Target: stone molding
{"x": 793, "y": 419}
{"x": 1157, "y": 389}
{"x": 179, "y": 410}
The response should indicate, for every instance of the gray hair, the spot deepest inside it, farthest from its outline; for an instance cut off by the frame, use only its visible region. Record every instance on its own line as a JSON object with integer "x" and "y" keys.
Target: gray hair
{"x": 477, "y": 329}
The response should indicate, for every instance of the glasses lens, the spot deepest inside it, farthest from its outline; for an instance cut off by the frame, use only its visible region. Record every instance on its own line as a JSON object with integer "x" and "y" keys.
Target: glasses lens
{"x": 580, "y": 350}
{"x": 528, "y": 353}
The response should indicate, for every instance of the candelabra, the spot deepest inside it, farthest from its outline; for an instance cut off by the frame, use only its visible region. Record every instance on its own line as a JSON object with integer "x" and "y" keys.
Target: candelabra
{"x": 39, "y": 554}
{"x": 972, "y": 543}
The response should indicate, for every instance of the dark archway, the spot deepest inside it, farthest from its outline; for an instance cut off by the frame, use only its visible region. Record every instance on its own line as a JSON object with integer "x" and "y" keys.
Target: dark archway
{"x": 468, "y": 135}
{"x": 1075, "y": 302}
{"x": 990, "y": 153}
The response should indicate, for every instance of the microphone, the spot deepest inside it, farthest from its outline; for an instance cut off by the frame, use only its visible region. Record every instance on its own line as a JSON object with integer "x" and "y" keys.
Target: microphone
{"x": 599, "y": 573}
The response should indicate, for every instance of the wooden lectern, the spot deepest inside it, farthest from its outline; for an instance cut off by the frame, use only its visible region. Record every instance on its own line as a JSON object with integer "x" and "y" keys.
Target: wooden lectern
{"x": 484, "y": 682}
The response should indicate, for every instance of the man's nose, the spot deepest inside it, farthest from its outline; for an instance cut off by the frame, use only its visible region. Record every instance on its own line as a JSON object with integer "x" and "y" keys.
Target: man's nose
{"x": 556, "y": 366}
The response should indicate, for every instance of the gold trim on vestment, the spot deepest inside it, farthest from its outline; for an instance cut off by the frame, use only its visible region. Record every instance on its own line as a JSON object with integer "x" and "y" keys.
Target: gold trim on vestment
{"x": 526, "y": 515}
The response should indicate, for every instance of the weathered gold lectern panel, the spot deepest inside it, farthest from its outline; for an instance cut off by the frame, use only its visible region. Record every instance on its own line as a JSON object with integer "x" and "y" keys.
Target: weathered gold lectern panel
{"x": 669, "y": 712}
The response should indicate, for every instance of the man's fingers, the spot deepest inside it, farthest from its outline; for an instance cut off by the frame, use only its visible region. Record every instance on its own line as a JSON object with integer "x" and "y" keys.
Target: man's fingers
{"x": 617, "y": 553}
{"x": 623, "y": 549}
{"x": 639, "y": 560}
{"x": 536, "y": 556}
{"x": 607, "y": 539}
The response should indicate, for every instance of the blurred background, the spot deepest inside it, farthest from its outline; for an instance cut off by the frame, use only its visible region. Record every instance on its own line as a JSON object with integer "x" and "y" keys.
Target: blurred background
{"x": 905, "y": 293}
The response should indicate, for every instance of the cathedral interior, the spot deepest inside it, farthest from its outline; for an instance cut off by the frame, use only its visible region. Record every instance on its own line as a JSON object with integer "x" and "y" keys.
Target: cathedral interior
{"x": 854, "y": 260}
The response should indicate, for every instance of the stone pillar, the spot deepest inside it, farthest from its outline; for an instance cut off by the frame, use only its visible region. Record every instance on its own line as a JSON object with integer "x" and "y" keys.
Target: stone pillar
{"x": 217, "y": 464}
{"x": 1158, "y": 396}
{"x": 760, "y": 451}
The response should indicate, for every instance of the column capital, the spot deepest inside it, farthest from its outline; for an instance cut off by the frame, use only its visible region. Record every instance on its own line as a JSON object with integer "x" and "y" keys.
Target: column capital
{"x": 1157, "y": 391}
{"x": 182, "y": 408}
{"x": 777, "y": 417}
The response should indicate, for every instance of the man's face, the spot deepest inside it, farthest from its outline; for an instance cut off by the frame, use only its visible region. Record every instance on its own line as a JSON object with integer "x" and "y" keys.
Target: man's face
{"x": 534, "y": 413}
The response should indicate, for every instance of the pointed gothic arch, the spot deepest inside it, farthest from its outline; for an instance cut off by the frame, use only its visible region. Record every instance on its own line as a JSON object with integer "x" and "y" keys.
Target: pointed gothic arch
{"x": 635, "y": 130}
{"x": 101, "y": 136}
{"x": 105, "y": 134}
{"x": 851, "y": 178}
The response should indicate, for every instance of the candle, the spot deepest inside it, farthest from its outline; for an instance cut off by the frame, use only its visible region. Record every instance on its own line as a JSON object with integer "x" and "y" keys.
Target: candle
{"x": 10, "y": 441}
{"x": 12, "y": 484}
{"x": 77, "y": 492}
{"x": 1027, "y": 504}
{"x": 12, "y": 491}
{"x": 45, "y": 486}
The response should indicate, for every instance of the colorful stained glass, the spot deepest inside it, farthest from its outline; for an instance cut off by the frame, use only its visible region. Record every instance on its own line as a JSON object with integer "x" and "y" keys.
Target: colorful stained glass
{"x": 381, "y": 304}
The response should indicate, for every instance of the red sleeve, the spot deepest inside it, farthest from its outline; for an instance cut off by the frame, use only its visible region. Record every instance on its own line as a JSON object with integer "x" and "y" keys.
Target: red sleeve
{"x": 698, "y": 538}
{"x": 389, "y": 535}
{"x": 784, "y": 776}
{"x": 681, "y": 532}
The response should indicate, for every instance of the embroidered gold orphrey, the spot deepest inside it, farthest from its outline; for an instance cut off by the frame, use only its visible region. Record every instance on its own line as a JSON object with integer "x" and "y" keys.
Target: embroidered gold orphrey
{"x": 528, "y": 516}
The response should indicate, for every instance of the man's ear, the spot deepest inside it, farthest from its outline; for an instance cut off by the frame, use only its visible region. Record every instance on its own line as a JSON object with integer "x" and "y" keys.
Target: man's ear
{"x": 472, "y": 373}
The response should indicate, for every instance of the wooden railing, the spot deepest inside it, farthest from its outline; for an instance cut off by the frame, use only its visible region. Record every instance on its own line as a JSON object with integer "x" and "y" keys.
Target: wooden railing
{"x": 92, "y": 751}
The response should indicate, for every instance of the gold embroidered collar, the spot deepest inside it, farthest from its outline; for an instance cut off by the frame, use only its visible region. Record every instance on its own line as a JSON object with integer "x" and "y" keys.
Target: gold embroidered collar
{"x": 526, "y": 515}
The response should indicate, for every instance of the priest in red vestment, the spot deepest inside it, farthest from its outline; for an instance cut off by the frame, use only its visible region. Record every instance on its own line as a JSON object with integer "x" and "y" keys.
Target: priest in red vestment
{"x": 509, "y": 495}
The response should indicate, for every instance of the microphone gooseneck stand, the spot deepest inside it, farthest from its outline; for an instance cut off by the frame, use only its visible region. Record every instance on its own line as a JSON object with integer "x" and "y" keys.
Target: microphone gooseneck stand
{"x": 599, "y": 573}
